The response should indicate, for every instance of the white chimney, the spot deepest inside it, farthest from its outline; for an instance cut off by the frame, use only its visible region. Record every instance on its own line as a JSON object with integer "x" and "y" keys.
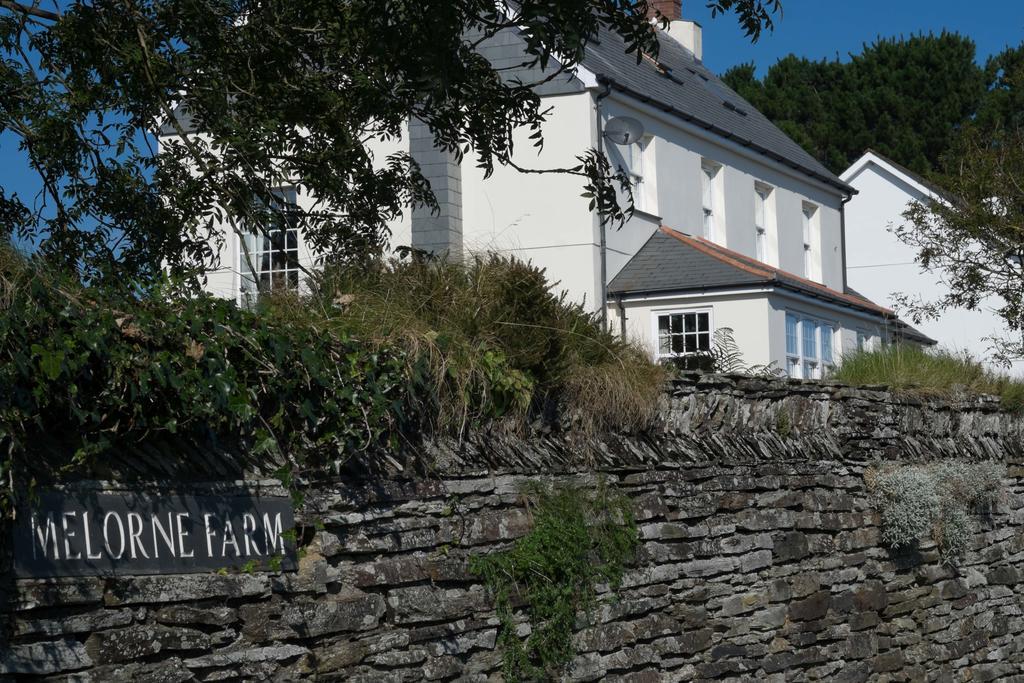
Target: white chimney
{"x": 689, "y": 34}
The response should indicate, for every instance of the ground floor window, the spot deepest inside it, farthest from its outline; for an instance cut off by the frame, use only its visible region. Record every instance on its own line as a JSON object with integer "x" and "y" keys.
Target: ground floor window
{"x": 270, "y": 260}
{"x": 810, "y": 346}
{"x": 683, "y": 332}
{"x": 865, "y": 341}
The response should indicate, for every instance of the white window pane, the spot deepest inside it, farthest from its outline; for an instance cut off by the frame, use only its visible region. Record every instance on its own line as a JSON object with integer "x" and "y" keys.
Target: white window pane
{"x": 791, "y": 334}
{"x": 826, "y": 343}
{"x": 793, "y": 368}
{"x": 810, "y": 370}
{"x": 809, "y": 332}
{"x": 708, "y": 191}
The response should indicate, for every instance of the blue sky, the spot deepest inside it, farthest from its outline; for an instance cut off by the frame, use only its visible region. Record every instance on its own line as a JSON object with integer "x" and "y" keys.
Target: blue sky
{"x": 819, "y": 29}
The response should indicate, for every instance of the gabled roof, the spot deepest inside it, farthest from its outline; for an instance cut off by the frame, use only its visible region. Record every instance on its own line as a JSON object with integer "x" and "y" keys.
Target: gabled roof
{"x": 918, "y": 182}
{"x": 676, "y": 263}
{"x": 680, "y": 84}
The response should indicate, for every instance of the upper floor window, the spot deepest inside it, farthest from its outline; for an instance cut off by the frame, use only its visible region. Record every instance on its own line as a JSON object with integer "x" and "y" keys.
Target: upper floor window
{"x": 812, "y": 242}
{"x": 270, "y": 260}
{"x": 641, "y": 175}
{"x": 810, "y": 346}
{"x": 710, "y": 177}
{"x": 682, "y": 332}
{"x": 764, "y": 225}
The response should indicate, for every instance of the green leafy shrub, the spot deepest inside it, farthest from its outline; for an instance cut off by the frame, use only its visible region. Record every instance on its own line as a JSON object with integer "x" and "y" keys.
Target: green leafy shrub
{"x": 87, "y": 370}
{"x": 939, "y": 373}
{"x": 488, "y": 338}
{"x": 578, "y": 540}
{"x": 370, "y": 354}
{"x": 934, "y": 500}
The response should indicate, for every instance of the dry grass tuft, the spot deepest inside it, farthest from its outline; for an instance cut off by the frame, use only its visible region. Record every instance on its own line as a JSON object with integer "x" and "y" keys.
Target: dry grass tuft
{"x": 488, "y": 340}
{"x": 934, "y": 373}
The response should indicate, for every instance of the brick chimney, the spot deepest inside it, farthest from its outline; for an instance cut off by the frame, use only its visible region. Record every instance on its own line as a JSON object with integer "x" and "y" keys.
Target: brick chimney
{"x": 688, "y": 33}
{"x": 670, "y": 9}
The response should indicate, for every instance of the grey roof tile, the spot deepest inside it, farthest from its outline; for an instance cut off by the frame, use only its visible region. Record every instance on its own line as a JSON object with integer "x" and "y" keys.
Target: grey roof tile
{"x": 681, "y": 84}
{"x": 673, "y": 262}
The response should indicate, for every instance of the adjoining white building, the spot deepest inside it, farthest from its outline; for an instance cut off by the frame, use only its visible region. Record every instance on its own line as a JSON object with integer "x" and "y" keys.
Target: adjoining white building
{"x": 880, "y": 265}
{"x": 730, "y": 185}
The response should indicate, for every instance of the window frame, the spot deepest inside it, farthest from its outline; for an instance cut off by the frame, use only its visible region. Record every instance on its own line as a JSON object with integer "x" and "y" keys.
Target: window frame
{"x": 251, "y": 274}
{"x": 656, "y": 316}
{"x": 763, "y": 232}
{"x": 641, "y": 166}
{"x": 811, "y": 229}
{"x": 712, "y": 227}
{"x": 816, "y": 365}
{"x": 865, "y": 340}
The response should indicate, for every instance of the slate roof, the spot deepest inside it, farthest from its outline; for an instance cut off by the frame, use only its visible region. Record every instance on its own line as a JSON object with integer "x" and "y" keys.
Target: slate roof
{"x": 671, "y": 261}
{"x": 681, "y": 85}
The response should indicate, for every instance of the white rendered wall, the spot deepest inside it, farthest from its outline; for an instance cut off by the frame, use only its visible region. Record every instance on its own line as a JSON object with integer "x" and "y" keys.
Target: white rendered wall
{"x": 757, "y": 319}
{"x": 680, "y": 148}
{"x": 846, "y": 321}
{"x": 746, "y": 313}
{"x": 540, "y": 218}
{"x": 879, "y": 264}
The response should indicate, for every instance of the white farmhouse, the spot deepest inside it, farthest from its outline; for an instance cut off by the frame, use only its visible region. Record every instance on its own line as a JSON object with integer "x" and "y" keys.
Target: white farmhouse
{"x": 880, "y": 265}
{"x": 736, "y": 225}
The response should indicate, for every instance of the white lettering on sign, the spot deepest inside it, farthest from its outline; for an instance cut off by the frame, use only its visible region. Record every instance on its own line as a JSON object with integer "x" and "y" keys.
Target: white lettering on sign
{"x": 68, "y": 535}
{"x": 272, "y": 533}
{"x": 100, "y": 533}
{"x": 120, "y": 534}
{"x": 182, "y": 535}
{"x": 166, "y": 533}
{"x": 50, "y": 536}
{"x": 88, "y": 538}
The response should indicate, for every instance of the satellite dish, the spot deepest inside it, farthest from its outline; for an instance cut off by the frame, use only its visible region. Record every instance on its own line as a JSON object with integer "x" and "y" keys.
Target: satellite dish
{"x": 624, "y": 130}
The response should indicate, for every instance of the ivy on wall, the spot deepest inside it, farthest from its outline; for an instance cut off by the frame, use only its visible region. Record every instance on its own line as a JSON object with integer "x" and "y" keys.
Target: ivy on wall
{"x": 579, "y": 539}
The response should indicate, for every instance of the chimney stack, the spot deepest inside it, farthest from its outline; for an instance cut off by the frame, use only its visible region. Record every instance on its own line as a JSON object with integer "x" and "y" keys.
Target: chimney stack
{"x": 688, "y": 33}
{"x": 670, "y": 9}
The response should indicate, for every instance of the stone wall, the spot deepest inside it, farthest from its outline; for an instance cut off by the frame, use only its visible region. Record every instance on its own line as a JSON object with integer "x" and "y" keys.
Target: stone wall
{"x": 760, "y": 560}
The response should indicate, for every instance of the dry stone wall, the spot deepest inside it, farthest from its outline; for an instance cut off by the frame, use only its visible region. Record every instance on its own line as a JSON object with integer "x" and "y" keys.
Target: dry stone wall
{"x": 760, "y": 560}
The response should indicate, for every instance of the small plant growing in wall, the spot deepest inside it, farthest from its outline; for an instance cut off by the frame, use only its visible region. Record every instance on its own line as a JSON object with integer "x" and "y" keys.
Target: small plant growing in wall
{"x": 934, "y": 500}
{"x": 579, "y": 539}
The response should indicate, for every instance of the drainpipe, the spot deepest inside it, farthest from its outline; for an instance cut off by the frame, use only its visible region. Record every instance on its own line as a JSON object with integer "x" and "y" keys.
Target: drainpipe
{"x": 605, "y": 91}
{"x": 842, "y": 234}
{"x": 622, "y": 315}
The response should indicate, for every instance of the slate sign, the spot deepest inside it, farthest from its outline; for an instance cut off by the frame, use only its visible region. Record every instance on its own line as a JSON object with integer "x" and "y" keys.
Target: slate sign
{"x": 107, "y": 534}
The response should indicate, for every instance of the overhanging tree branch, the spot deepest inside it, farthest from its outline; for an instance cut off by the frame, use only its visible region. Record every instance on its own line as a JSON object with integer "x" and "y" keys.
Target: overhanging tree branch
{"x": 30, "y": 10}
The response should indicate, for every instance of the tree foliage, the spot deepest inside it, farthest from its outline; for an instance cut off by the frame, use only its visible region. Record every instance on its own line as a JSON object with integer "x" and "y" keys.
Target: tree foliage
{"x": 904, "y": 97}
{"x": 284, "y": 93}
{"x": 91, "y": 370}
{"x": 974, "y": 234}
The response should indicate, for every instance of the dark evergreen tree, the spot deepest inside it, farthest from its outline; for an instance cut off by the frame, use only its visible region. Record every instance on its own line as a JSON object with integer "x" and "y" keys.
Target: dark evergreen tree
{"x": 905, "y": 97}
{"x": 1003, "y": 105}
